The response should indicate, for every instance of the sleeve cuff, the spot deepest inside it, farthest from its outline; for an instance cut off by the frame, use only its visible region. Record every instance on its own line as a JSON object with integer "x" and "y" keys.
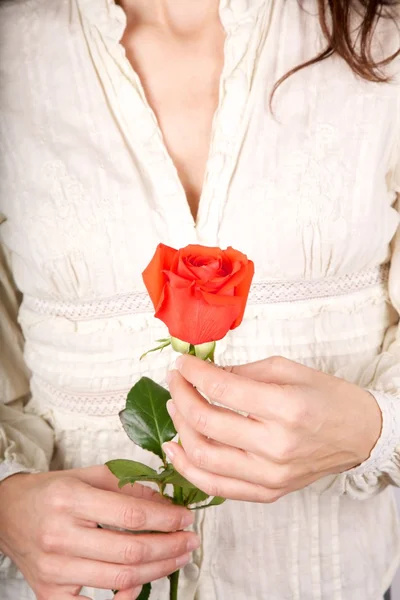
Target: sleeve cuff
{"x": 389, "y": 440}
{"x": 8, "y": 468}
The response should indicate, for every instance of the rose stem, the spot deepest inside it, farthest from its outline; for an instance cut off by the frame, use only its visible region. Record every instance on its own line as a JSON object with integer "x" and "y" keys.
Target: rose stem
{"x": 173, "y": 586}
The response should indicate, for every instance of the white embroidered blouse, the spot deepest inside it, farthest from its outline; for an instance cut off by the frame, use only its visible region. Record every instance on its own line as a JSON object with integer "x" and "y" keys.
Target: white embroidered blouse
{"x": 87, "y": 190}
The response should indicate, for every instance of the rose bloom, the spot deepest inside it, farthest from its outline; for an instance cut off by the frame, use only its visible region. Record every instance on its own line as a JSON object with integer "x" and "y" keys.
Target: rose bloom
{"x": 199, "y": 292}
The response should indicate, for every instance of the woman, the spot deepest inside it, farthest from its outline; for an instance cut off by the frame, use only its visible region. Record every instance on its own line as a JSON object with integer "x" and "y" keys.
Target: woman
{"x": 155, "y": 121}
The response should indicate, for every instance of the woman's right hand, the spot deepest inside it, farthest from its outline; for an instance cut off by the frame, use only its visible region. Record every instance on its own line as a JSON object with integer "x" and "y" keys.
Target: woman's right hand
{"x": 48, "y": 527}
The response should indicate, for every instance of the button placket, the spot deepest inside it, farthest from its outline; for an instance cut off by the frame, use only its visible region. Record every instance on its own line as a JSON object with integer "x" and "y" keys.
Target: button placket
{"x": 172, "y": 218}
{"x": 238, "y": 18}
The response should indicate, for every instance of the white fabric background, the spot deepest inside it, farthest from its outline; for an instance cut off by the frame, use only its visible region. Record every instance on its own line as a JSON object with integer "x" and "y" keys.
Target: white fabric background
{"x": 396, "y": 583}
{"x": 319, "y": 178}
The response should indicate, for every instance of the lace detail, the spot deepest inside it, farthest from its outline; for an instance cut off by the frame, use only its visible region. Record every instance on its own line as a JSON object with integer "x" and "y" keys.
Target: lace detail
{"x": 123, "y": 304}
{"x": 388, "y": 441}
{"x": 262, "y": 292}
{"x": 272, "y": 292}
{"x": 103, "y": 404}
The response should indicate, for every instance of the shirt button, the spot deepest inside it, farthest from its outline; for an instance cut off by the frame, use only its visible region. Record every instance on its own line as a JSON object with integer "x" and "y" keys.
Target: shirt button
{"x": 191, "y": 572}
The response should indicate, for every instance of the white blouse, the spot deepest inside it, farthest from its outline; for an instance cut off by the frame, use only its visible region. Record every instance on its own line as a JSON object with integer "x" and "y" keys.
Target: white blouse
{"x": 87, "y": 191}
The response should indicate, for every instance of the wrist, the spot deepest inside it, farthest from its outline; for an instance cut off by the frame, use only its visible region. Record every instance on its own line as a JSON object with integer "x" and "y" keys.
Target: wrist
{"x": 9, "y": 467}
{"x": 10, "y": 491}
{"x": 10, "y": 479}
{"x": 11, "y": 485}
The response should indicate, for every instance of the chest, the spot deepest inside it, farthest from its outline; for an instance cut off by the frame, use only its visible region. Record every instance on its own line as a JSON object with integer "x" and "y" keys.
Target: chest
{"x": 96, "y": 184}
{"x": 180, "y": 79}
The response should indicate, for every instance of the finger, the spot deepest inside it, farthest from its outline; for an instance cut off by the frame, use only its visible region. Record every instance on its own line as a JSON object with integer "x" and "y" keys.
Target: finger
{"x": 63, "y": 593}
{"x": 217, "y": 485}
{"x": 231, "y": 462}
{"x": 279, "y": 443}
{"x": 215, "y": 422}
{"x": 125, "y": 548}
{"x": 82, "y": 572}
{"x": 68, "y": 597}
{"x": 275, "y": 369}
{"x": 259, "y": 399}
{"x": 128, "y": 594}
{"x": 101, "y": 477}
{"x": 116, "y": 510}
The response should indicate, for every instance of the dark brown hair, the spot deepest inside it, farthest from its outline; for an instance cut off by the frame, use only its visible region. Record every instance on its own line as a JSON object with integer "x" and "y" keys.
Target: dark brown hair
{"x": 355, "y": 47}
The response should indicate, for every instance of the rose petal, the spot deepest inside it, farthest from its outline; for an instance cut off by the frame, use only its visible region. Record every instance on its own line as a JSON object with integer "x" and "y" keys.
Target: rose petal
{"x": 197, "y": 250}
{"x": 199, "y": 292}
{"x": 153, "y": 275}
{"x": 206, "y": 272}
{"x": 242, "y": 291}
{"x": 190, "y": 317}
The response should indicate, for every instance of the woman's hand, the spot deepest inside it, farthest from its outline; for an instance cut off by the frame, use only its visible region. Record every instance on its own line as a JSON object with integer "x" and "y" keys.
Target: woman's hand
{"x": 48, "y": 527}
{"x": 302, "y": 424}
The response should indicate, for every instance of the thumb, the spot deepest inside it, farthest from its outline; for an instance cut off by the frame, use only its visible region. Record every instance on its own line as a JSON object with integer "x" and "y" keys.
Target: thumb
{"x": 275, "y": 369}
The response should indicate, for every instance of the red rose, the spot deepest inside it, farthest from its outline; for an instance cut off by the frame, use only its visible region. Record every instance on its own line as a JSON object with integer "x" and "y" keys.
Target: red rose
{"x": 200, "y": 293}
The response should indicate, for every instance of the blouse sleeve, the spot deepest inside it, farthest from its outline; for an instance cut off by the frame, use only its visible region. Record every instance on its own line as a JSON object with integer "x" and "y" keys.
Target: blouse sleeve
{"x": 26, "y": 441}
{"x": 382, "y": 380}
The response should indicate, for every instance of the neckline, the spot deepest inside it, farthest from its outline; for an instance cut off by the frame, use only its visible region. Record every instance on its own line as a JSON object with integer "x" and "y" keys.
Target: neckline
{"x": 110, "y": 20}
{"x": 186, "y": 208}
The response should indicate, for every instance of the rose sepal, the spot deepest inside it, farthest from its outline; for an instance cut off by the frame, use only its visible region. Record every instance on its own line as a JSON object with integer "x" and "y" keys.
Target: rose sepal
{"x": 205, "y": 351}
{"x": 180, "y": 346}
{"x": 164, "y": 343}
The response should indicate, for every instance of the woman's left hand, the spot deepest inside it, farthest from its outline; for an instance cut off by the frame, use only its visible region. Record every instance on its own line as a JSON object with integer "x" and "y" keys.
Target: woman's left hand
{"x": 302, "y": 424}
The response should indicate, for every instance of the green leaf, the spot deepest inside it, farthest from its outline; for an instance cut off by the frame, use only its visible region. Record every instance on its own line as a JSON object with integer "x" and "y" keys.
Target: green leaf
{"x": 216, "y": 501}
{"x": 194, "y": 497}
{"x": 171, "y": 476}
{"x": 126, "y": 481}
{"x": 130, "y": 471}
{"x": 145, "y": 418}
{"x": 145, "y": 593}
{"x": 125, "y": 469}
{"x": 178, "y": 497}
{"x": 189, "y": 494}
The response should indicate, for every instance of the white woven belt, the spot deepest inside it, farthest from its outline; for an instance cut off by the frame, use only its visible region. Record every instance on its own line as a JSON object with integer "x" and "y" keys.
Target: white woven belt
{"x": 262, "y": 292}
{"x": 107, "y": 403}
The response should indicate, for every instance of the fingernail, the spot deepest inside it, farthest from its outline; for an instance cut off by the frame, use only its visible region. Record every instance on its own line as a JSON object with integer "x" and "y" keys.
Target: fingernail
{"x": 171, "y": 408}
{"x": 168, "y": 451}
{"x": 182, "y": 560}
{"x": 193, "y": 544}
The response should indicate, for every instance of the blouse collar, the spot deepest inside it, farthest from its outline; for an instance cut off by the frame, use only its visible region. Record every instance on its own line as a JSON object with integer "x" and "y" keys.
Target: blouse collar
{"x": 111, "y": 20}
